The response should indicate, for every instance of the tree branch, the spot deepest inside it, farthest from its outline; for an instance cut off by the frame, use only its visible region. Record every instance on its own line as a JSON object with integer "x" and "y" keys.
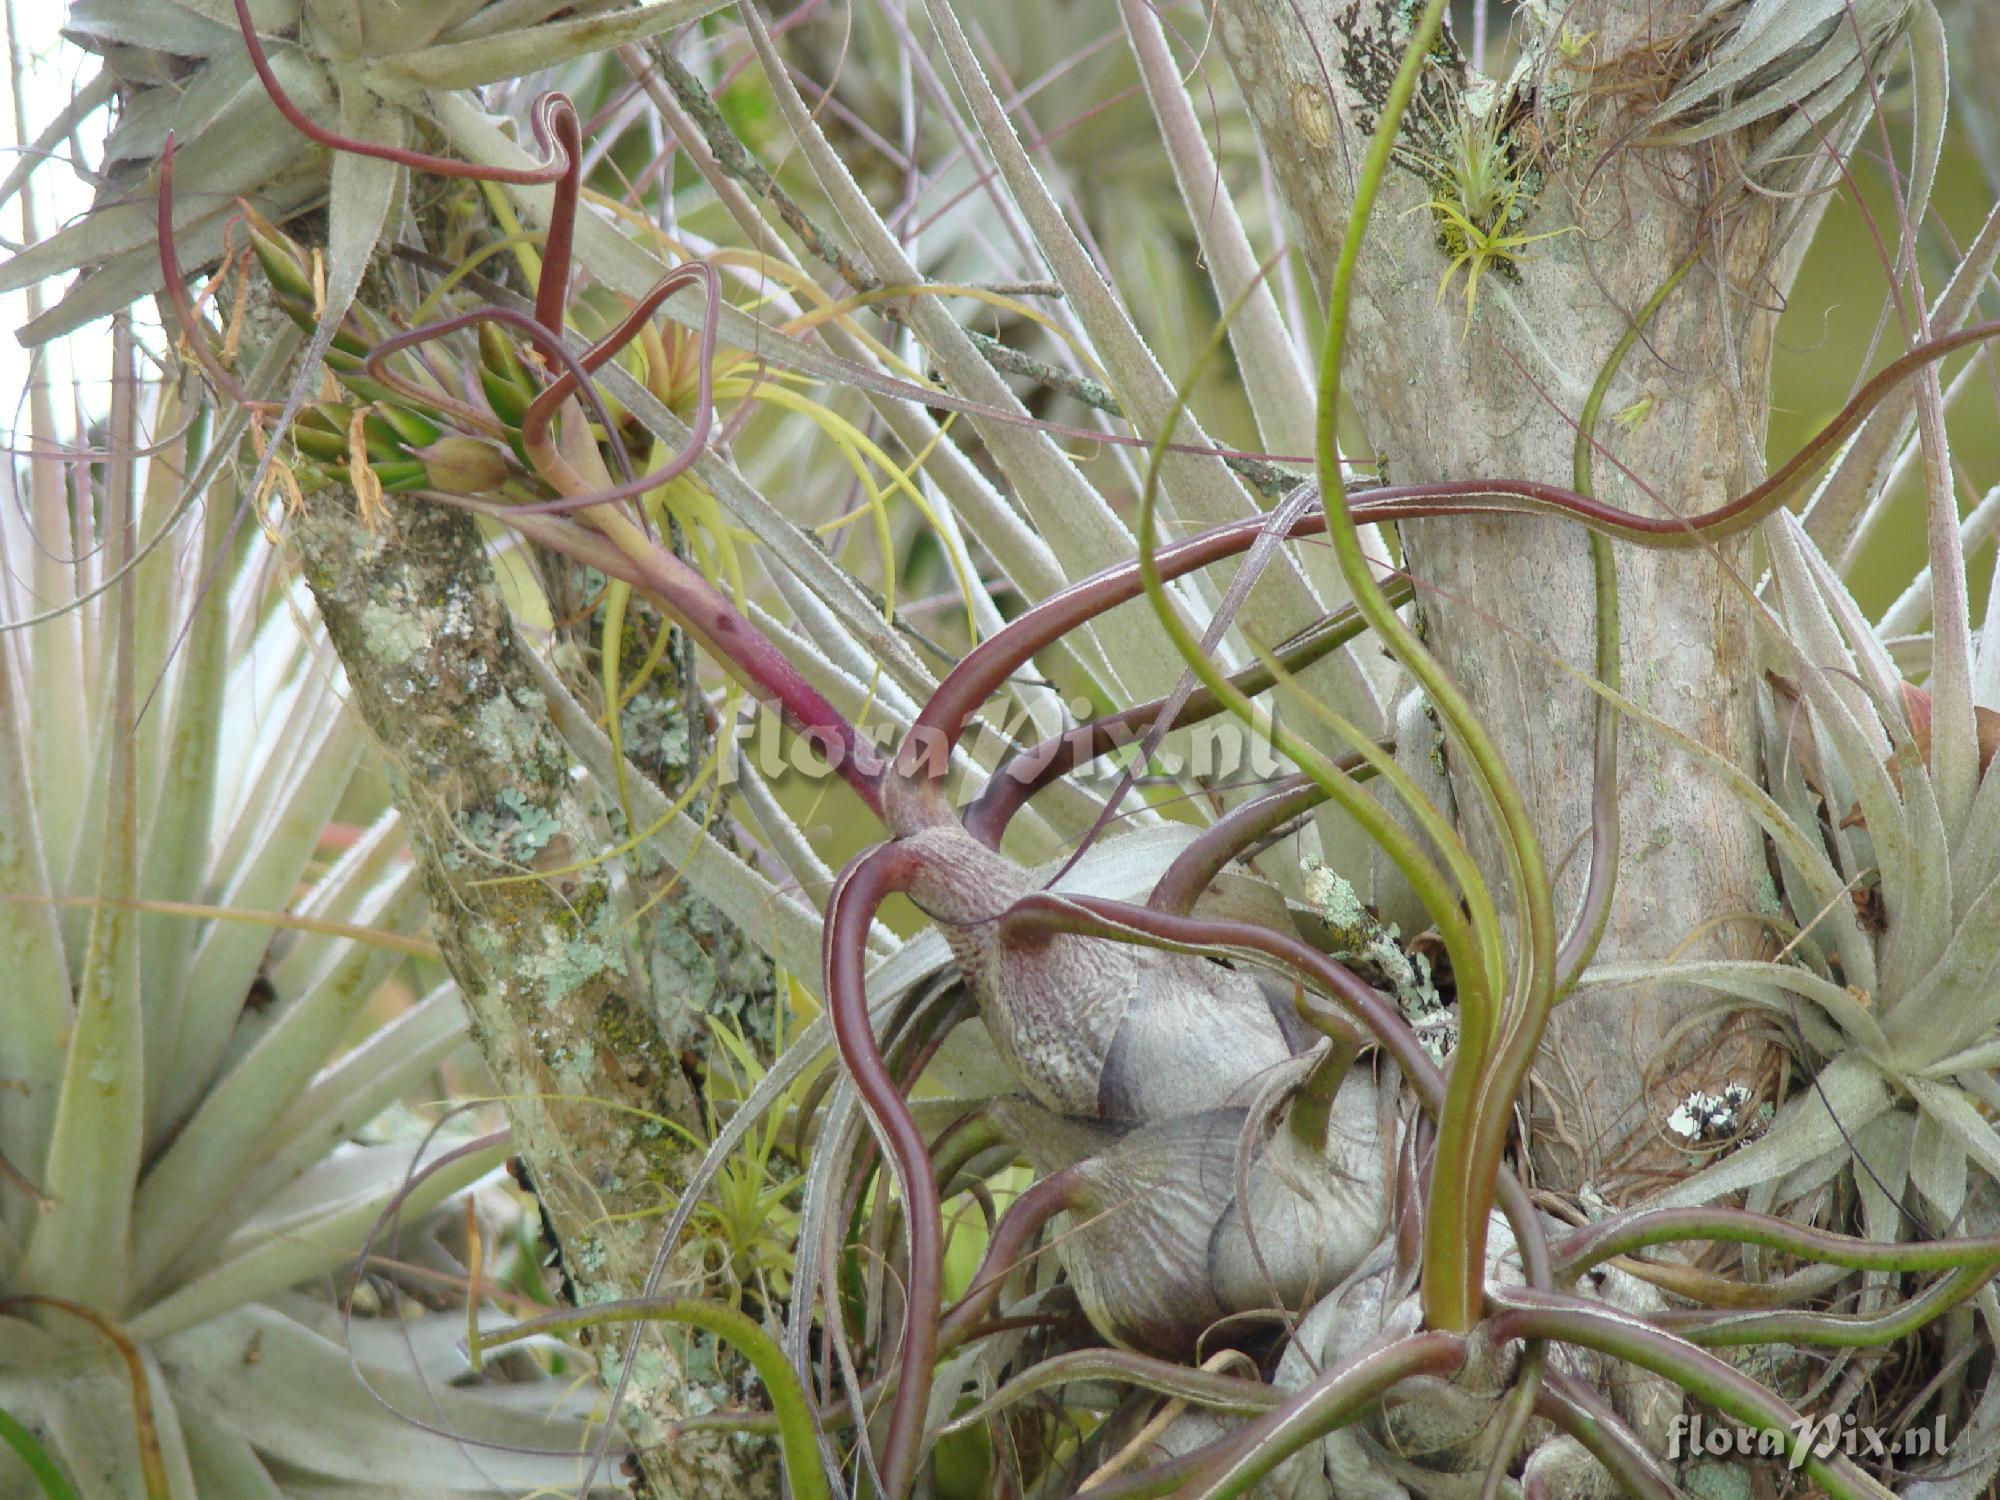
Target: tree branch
{"x": 558, "y": 1000}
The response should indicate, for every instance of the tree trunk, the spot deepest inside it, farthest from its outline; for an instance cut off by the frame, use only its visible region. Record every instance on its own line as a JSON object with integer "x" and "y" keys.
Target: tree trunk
{"x": 557, "y": 992}
{"x": 1446, "y": 395}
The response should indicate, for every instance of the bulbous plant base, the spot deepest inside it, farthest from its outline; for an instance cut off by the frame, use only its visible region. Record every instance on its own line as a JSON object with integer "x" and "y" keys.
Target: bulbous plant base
{"x": 1158, "y": 1246}
{"x": 1437, "y": 1438}
{"x": 1095, "y": 1028}
{"x": 1197, "y": 1230}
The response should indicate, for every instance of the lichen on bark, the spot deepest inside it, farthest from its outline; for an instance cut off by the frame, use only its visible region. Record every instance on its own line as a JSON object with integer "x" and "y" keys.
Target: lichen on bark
{"x": 558, "y": 991}
{"x": 697, "y": 964}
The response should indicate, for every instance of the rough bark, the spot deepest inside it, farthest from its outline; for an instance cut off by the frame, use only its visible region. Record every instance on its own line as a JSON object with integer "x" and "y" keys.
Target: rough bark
{"x": 559, "y": 998}
{"x": 1441, "y": 397}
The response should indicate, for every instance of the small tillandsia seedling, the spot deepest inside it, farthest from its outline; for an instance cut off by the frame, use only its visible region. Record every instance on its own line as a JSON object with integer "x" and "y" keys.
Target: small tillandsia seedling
{"x": 1482, "y": 184}
{"x": 1572, "y": 43}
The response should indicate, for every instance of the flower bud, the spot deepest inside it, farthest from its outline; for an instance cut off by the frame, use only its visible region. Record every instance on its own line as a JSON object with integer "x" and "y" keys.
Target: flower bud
{"x": 283, "y": 262}
{"x": 413, "y": 428}
{"x": 498, "y": 356}
{"x": 509, "y": 402}
{"x": 398, "y": 474}
{"x": 464, "y": 465}
{"x": 318, "y": 443}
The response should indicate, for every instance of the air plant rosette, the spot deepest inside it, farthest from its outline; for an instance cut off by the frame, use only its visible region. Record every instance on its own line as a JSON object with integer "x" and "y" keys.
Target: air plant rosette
{"x": 193, "y": 1149}
{"x": 1231, "y": 1130}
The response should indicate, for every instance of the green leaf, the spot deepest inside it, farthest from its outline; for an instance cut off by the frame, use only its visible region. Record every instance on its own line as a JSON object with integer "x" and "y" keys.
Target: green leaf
{"x": 183, "y": 1195}
{"x": 364, "y": 1082}
{"x": 225, "y": 163}
{"x": 1979, "y": 851}
{"x": 1849, "y": 503}
{"x": 335, "y": 28}
{"x": 1970, "y": 1478}
{"x": 1930, "y": 90}
{"x": 1274, "y": 375}
{"x": 1961, "y": 1122}
{"x": 363, "y": 190}
{"x": 98, "y": 24}
{"x": 112, "y": 279}
{"x": 183, "y": 810}
{"x": 310, "y": 1229}
{"x": 1954, "y": 1003}
{"x": 226, "y": 95}
{"x": 300, "y": 1405}
{"x": 307, "y": 787}
{"x": 39, "y": 1013}
{"x": 1777, "y": 986}
{"x": 79, "y": 1411}
{"x": 1073, "y": 518}
{"x": 1797, "y": 58}
{"x": 391, "y": 30}
{"x": 79, "y": 1248}
{"x": 270, "y": 17}
{"x": 361, "y": 889}
{"x": 510, "y": 54}
{"x": 1198, "y": 489}
{"x": 41, "y": 1468}
{"x": 224, "y": 1462}
{"x": 1937, "y": 1167}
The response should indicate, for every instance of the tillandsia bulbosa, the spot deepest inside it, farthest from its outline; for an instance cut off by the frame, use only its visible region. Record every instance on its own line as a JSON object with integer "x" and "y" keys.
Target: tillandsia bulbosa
{"x": 1210, "y": 1103}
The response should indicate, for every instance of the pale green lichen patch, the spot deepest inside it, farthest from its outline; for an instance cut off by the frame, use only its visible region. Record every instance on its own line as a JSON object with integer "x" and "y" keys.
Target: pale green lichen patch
{"x": 574, "y": 1067}
{"x": 392, "y": 636}
{"x": 533, "y": 826}
{"x": 707, "y": 1359}
{"x": 586, "y": 1255}
{"x": 1337, "y": 901}
{"x": 699, "y": 966}
{"x": 565, "y": 962}
{"x": 1709, "y": 1480}
{"x": 514, "y": 833}
{"x": 1360, "y": 936}
{"x": 511, "y": 731}
{"x": 655, "y": 735}
{"x": 654, "y": 1371}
